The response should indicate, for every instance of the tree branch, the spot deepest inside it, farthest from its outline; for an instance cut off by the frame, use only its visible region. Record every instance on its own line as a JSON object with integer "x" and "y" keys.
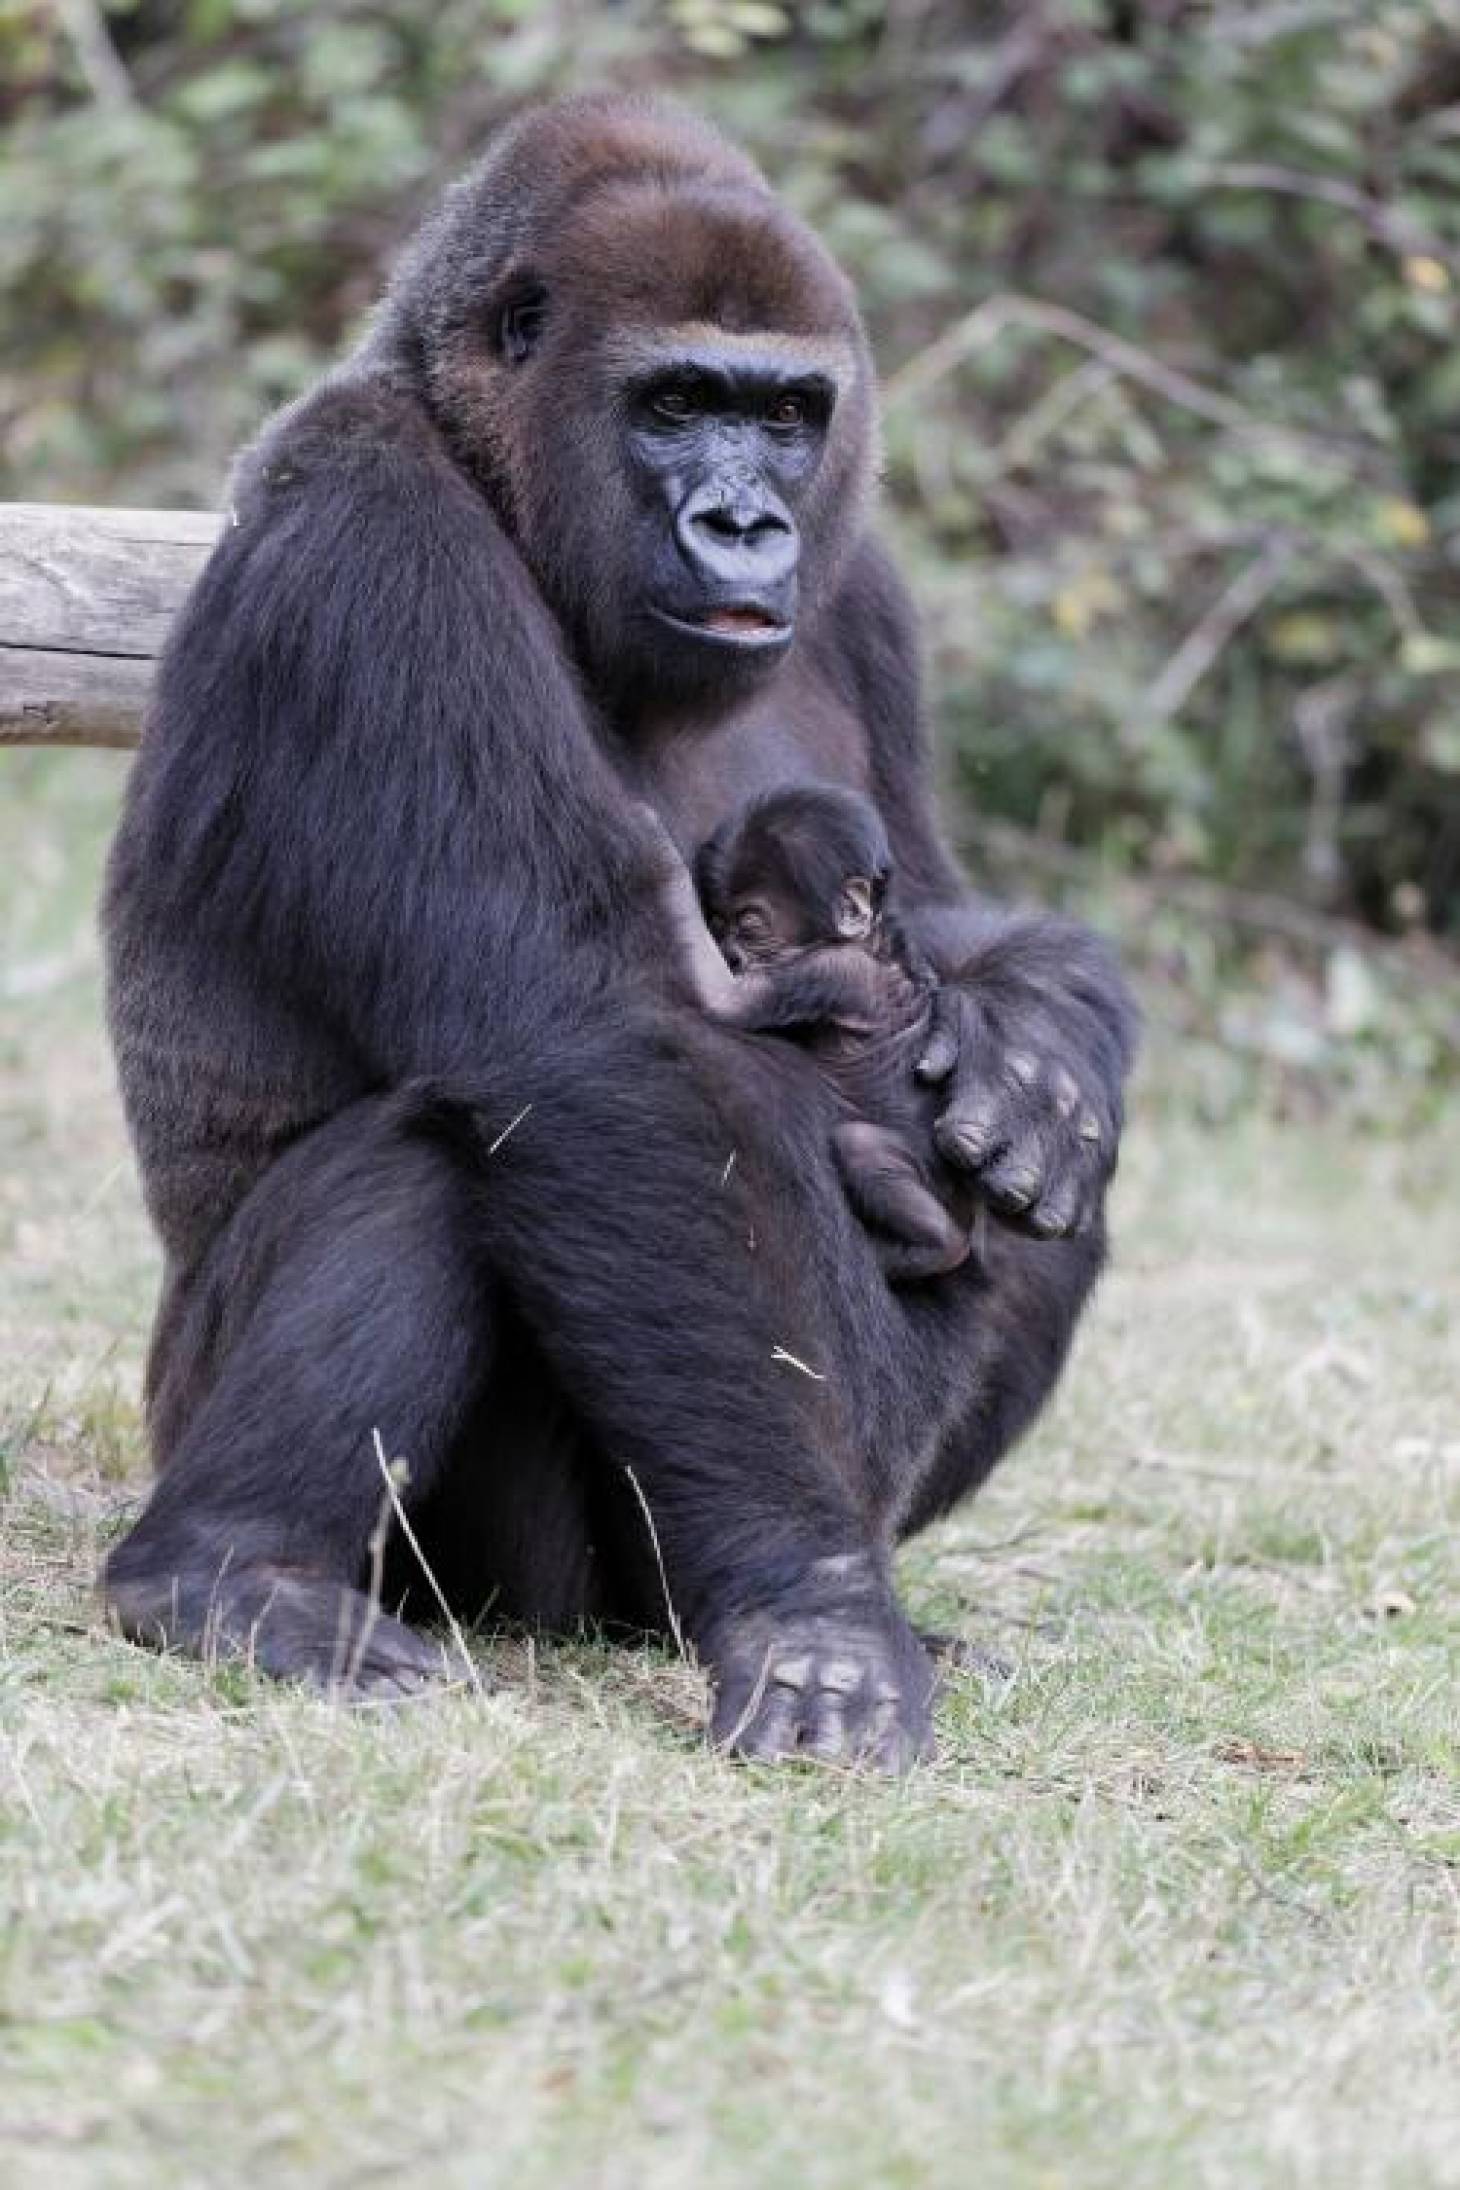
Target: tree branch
{"x": 1208, "y": 638}
{"x": 996, "y": 314}
{"x": 86, "y": 600}
{"x": 1395, "y": 230}
{"x": 96, "y": 57}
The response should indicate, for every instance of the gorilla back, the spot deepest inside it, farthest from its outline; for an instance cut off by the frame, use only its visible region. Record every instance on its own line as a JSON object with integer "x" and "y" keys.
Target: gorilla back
{"x": 436, "y": 1142}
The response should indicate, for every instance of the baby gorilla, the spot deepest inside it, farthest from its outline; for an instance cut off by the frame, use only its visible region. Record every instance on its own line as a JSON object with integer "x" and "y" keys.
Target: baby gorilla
{"x": 794, "y": 889}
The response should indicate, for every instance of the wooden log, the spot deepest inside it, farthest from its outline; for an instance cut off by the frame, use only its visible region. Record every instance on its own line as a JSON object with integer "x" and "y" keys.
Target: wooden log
{"x": 86, "y": 600}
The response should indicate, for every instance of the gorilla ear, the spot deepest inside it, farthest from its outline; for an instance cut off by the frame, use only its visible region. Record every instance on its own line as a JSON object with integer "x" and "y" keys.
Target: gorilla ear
{"x": 520, "y": 320}
{"x": 853, "y": 915}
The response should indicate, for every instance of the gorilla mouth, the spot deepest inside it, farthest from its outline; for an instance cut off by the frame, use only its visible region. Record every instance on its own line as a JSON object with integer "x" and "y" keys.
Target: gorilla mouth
{"x": 746, "y": 620}
{"x": 741, "y": 624}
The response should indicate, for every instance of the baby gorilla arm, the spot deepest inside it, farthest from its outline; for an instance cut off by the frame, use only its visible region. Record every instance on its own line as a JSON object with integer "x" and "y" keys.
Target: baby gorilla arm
{"x": 831, "y": 987}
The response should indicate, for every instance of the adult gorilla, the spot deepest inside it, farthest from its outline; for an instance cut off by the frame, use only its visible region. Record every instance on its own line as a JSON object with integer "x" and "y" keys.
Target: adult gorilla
{"x": 437, "y": 1145}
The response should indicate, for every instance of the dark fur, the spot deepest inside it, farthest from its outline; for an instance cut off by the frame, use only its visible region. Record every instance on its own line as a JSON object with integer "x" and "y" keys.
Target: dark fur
{"x": 380, "y": 890}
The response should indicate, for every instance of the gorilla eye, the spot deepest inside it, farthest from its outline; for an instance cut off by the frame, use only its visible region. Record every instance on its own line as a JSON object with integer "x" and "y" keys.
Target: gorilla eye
{"x": 676, "y": 403}
{"x": 788, "y": 410}
{"x": 521, "y": 320}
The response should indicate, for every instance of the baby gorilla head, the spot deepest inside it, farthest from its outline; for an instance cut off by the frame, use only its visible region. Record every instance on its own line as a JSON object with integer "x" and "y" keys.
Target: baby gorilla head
{"x": 794, "y": 870}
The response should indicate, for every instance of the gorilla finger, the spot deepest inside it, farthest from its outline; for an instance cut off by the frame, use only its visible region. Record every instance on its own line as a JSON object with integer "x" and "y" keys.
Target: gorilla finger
{"x": 938, "y": 1059}
{"x": 392, "y": 1662}
{"x": 1062, "y": 1209}
{"x": 973, "y": 1129}
{"x": 889, "y": 1744}
{"x": 1065, "y": 1089}
{"x": 1089, "y": 1185}
{"x": 827, "y": 1735}
{"x": 775, "y": 1730}
{"x": 1020, "y": 1177}
{"x": 1096, "y": 1141}
{"x": 944, "y": 1045}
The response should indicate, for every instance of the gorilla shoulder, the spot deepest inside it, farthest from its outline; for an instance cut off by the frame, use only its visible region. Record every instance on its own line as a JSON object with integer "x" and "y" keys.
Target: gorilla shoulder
{"x": 360, "y": 423}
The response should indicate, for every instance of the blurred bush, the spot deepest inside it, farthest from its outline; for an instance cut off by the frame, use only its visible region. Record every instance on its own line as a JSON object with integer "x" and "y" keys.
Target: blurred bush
{"x": 1166, "y": 298}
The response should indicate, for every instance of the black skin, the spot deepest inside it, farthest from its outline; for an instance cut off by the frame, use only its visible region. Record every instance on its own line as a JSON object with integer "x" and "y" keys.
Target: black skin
{"x": 437, "y": 1141}
{"x": 793, "y": 889}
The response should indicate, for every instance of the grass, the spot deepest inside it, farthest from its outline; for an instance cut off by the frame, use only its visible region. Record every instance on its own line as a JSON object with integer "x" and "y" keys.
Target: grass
{"x": 1179, "y": 1904}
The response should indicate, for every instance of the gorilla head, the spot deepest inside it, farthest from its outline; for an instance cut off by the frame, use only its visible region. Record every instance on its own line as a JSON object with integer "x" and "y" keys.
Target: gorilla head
{"x": 660, "y": 379}
{"x": 795, "y": 870}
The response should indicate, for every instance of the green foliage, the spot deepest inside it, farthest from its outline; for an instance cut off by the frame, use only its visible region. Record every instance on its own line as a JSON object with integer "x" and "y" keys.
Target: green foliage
{"x": 1167, "y": 299}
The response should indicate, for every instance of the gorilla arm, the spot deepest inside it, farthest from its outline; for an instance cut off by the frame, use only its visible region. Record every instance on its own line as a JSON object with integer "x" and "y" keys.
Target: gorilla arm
{"x": 1034, "y": 1027}
{"x": 715, "y": 987}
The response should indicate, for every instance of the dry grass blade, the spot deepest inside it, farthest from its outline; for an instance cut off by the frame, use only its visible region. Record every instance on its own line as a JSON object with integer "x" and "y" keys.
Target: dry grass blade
{"x": 403, "y": 1522}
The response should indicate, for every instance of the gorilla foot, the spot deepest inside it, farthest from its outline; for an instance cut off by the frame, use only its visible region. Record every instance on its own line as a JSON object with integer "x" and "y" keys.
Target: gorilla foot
{"x": 854, "y": 1691}
{"x": 293, "y": 1626}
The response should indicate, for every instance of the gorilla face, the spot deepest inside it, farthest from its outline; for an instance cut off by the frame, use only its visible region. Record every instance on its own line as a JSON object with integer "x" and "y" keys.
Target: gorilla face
{"x": 686, "y": 487}
{"x": 662, "y": 383}
{"x": 721, "y": 440}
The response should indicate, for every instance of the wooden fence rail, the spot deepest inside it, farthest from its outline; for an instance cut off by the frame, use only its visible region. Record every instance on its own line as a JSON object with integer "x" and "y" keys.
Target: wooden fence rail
{"x": 86, "y": 598}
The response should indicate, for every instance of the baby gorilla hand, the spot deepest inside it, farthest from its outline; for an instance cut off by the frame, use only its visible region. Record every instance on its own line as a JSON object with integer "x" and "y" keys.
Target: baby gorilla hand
{"x": 842, "y": 1683}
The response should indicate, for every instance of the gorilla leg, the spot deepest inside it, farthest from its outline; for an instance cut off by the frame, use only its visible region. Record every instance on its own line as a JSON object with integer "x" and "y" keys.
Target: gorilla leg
{"x": 681, "y": 1306}
{"x": 885, "y": 1183}
{"x": 668, "y": 1224}
{"x": 342, "y": 1300}
{"x": 510, "y": 1529}
{"x": 1017, "y": 1310}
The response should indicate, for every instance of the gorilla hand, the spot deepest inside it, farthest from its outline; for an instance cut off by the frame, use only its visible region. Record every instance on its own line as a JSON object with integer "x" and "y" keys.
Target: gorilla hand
{"x": 1032, "y": 1042}
{"x": 837, "y": 1679}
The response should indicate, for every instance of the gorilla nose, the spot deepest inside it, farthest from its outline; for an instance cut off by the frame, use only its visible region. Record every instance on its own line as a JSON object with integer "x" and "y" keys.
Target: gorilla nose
{"x": 737, "y": 536}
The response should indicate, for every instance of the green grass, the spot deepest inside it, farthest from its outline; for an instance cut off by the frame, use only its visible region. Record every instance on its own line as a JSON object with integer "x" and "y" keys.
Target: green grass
{"x": 1178, "y": 1905}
